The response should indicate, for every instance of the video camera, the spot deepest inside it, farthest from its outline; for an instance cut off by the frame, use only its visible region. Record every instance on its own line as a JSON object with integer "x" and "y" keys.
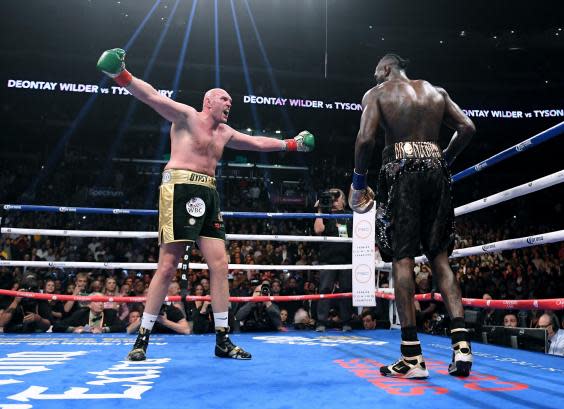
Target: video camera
{"x": 265, "y": 289}
{"x": 30, "y": 285}
{"x": 326, "y": 200}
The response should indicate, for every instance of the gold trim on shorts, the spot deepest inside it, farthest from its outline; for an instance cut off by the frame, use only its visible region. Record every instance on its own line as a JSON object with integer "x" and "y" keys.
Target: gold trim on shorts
{"x": 409, "y": 150}
{"x": 175, "y": 176}
{"x": 166, "y": 207}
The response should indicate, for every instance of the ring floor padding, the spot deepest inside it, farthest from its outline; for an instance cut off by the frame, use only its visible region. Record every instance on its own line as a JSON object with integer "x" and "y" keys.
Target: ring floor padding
{"x": 297, "y": 369}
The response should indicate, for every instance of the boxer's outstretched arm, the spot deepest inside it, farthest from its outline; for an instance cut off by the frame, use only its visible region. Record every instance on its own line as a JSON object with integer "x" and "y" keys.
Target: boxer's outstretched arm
{"x": 463, "y": 126}
{"x": 241, "y": 141}
{"x": 112, "y": 63}
{"x": 303, "y": 142}
{"x": 366, "y": 137}
{"x": 167, "y": 108}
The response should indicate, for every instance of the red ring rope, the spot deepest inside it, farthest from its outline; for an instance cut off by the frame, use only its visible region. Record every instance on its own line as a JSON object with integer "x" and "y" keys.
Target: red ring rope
{"x": 543, "y": 304}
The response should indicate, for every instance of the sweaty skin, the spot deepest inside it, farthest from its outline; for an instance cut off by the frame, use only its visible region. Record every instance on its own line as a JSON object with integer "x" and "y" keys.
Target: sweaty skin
{"x": 198, "y": 138}
{"x": 408, "y": 111}
{"x": 412, "y": 111}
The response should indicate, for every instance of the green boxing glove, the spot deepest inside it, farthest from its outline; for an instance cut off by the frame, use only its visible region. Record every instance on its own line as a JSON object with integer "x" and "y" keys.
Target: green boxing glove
{"x": 112, "y": 63}
{"x": 303, "y": 142}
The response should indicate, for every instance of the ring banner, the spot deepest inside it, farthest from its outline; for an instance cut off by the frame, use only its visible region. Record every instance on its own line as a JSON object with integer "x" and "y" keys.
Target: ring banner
{"x": 363, "y": 259}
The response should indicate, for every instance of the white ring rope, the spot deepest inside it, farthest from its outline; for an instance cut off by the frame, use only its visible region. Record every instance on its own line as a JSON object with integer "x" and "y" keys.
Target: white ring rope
{"x": 521, "y": 190}
{"x": 488, "y": 201}
{"x": 510, "y": 244}
{"x": 545, "y": 238}
{"x": 153, "y": 235}
{"x": 153, "y": 266}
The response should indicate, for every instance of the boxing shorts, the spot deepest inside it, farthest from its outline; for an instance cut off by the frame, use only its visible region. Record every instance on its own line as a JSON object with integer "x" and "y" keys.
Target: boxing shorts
{"x": 188, "y": 207}
{"x": 414, "y": 213}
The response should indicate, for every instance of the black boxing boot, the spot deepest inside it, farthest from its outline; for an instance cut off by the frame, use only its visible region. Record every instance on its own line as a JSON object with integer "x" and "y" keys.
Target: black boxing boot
{"x": 224, "y": 348}
{"x": 139, "y": 350}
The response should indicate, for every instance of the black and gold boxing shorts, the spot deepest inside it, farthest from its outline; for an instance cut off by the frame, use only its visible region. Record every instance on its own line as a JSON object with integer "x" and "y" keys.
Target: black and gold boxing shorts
{"x": 414, "y": 213}
{"x": 188, "y": 207}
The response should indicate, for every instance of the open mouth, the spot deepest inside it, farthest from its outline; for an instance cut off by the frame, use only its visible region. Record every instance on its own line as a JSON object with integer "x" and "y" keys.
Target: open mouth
{"x": 226, "y": 112}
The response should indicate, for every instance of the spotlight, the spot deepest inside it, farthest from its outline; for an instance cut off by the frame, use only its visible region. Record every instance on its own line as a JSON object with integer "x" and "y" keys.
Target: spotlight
{"x": 441, "y": 41}
{"x": 249, "y": 130}
{"x": 278, "y": 131}
{"x": 463, "y": 33}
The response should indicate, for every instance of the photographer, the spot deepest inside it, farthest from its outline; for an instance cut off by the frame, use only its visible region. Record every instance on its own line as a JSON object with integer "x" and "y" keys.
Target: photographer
{"x": 26, "y": 314}
{"x": 260, "y": 316}
{"x": 333, "y": 202}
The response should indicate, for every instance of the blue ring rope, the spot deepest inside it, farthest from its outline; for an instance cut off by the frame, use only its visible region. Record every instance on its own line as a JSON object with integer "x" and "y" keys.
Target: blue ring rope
{"x": 514, "y": 150}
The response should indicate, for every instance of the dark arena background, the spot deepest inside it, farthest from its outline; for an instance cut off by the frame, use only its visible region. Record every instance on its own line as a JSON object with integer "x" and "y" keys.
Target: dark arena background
{"x": 80, "y": 158}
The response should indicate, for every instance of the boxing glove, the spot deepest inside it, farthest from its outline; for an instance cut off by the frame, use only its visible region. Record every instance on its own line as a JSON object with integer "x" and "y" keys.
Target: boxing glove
{"x": 302, "y": 142}
{"x": 112, "y": 63}
{"x": 361, "y": 197}
{"x": 361, "y": 201}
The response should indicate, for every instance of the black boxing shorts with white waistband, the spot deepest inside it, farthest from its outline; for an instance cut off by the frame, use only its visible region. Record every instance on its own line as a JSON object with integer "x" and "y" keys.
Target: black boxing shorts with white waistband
{"x": 414, "y": 213}
{"x": 188, "y": 207}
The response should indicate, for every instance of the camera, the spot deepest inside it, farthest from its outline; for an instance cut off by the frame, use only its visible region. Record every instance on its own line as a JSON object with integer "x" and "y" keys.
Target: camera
{"x": 28, "y": 304}
{"x": 326, "y": 200}
{"x": 265, "y": 289}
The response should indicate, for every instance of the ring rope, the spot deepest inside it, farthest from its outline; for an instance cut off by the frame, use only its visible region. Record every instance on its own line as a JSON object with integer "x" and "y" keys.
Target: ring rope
{"x": 514, "y": 192}
{"x": 510, "y": 244}
{"x": 548, "y": 304}
{"x": 153, "y": 235}
{"x": 539, "y": 138}
{"x": 521, "y": 242}
{"x": 153, "y": 266}
{"x": 517, "y": 191}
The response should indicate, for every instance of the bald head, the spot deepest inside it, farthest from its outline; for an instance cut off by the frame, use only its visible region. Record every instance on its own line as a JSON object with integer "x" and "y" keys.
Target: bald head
{"x": 549, "y": 322}
{"x": 212, "y": 93}
{"x": 217, "y": 104}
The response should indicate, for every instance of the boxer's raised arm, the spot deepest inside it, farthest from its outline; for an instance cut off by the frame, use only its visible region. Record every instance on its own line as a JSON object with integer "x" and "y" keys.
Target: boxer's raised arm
{"x": 112, "y": 63}
{"x": 167, "y": 108}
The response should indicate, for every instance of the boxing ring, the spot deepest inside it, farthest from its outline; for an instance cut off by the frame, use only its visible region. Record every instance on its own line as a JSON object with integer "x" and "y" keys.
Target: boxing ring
{"x": 291, "y": 370}
{"x": 294, "y": 369}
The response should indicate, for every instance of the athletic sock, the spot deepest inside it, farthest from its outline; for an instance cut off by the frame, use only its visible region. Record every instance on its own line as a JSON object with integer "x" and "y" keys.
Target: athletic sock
{"x": 457, "y": 336}
{"x": 220, "y": 319}
{"x": 148, "y": 321}
{"x": 410, "y": 345}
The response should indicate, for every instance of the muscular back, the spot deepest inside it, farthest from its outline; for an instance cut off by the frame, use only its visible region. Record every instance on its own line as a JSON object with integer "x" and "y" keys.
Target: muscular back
{"x": 410, "y": 110}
